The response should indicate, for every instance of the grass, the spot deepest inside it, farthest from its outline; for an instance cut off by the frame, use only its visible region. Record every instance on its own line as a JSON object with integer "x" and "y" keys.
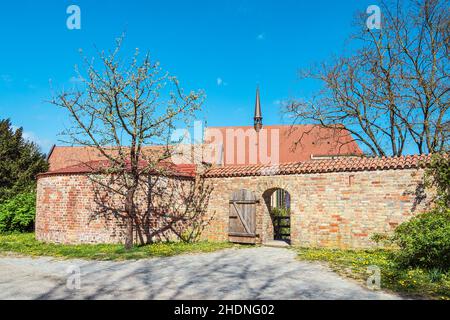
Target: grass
{"x": 414, "y": 283}
{"x": 26, "y": 244}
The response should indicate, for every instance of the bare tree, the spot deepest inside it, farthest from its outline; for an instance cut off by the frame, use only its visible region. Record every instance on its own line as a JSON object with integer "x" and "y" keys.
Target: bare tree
{"x": 120, "y": 108}
{"x": 392, "y": 93}
{"x": 166, "y": 205}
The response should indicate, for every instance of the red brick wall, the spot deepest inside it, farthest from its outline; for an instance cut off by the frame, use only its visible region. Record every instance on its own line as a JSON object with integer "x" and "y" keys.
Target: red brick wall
{"x": 63, "y": 212}
{"x": 328, "y": 209}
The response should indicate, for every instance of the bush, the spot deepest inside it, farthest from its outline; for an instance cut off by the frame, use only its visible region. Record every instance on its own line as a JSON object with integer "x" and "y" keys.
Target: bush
{"x": 280, "y": 212}
{"x": 438, "y": 175}
{"x": 17, "y": 214}
{"x": 424, "y": 241}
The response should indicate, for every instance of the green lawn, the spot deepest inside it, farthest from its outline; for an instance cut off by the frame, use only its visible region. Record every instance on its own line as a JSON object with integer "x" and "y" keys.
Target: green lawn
{"x": 26, "y": 244}
{"x": 416, "y": 283}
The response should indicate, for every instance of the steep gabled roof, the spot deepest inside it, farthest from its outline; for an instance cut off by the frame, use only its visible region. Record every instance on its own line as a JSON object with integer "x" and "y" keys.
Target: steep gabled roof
{"x": 296, "y": 143}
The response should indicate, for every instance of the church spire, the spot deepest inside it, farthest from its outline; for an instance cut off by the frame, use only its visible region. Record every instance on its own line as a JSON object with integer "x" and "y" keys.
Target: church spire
{"x": 257, "y": 120}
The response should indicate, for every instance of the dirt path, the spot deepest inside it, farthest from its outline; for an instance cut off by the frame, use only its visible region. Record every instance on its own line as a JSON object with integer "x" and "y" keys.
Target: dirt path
{"x": 256, "y": 273}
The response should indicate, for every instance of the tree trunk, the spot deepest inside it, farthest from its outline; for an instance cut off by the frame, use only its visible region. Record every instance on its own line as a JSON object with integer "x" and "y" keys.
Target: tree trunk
{"x": 129, "y": 234}
{"x": 129, "y": 208}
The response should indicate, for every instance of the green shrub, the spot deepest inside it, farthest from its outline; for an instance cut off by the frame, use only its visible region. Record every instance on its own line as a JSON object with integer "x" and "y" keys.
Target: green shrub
{"x": 438, "y": 175}
{"x": 280, "y": 212}
{"x": 424, "y": 241}
{"x": 435, "y": 275}
{"x": 381, "y": 239}
{"x": 17, "y": 214}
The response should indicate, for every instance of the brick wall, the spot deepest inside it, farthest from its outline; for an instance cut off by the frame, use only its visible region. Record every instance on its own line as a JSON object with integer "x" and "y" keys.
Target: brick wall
{"x": 64, "y": 208}
{"x": 340, "y": 209}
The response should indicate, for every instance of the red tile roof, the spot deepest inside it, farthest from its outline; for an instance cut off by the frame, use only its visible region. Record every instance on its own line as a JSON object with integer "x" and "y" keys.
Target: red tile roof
{"x": 296, "y": 142}
{"x": 63, "y": 157}
{"x": 350, "y": 164}
{"x": 322, "y": 166}
{"x": 182, "y": 170}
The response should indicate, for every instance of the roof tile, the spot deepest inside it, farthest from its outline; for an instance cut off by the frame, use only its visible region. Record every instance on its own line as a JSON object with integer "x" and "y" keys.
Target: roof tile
{"x": 322, "y": 166}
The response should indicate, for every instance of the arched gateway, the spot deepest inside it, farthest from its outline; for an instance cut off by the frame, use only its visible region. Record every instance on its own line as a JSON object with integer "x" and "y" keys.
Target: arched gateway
{"x": 254, "y": 221}
{"x": 278, "y": 202}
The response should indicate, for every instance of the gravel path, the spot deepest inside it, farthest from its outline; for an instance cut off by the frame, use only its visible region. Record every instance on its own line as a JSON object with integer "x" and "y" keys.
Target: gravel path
{"x": 255, "y": 273}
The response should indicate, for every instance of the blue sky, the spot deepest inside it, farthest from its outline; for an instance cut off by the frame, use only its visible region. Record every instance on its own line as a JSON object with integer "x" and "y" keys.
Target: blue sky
{"x": 225, "y": 48}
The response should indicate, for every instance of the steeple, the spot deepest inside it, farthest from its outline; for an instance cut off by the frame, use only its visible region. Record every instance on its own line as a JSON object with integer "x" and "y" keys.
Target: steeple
{"x": 257, "y": 120}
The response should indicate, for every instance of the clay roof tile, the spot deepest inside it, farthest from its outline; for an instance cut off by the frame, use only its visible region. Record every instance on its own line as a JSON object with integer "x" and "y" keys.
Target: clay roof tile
{"x": 324, "y": 165}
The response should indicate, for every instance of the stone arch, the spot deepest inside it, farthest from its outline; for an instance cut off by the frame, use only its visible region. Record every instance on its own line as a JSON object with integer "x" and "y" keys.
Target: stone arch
{"x": 277, "y": 207}
{"x": 264, "y": 188}
{"x": 277, "y": 197}
{"x": 276, "y": 182}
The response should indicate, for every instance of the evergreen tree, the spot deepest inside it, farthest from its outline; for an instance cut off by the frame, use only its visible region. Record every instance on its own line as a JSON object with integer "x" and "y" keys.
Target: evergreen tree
{"x": 20, "y": 162}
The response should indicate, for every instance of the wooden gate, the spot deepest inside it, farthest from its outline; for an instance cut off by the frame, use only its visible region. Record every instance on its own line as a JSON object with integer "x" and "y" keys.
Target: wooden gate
{"x": 242, "y": 222}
